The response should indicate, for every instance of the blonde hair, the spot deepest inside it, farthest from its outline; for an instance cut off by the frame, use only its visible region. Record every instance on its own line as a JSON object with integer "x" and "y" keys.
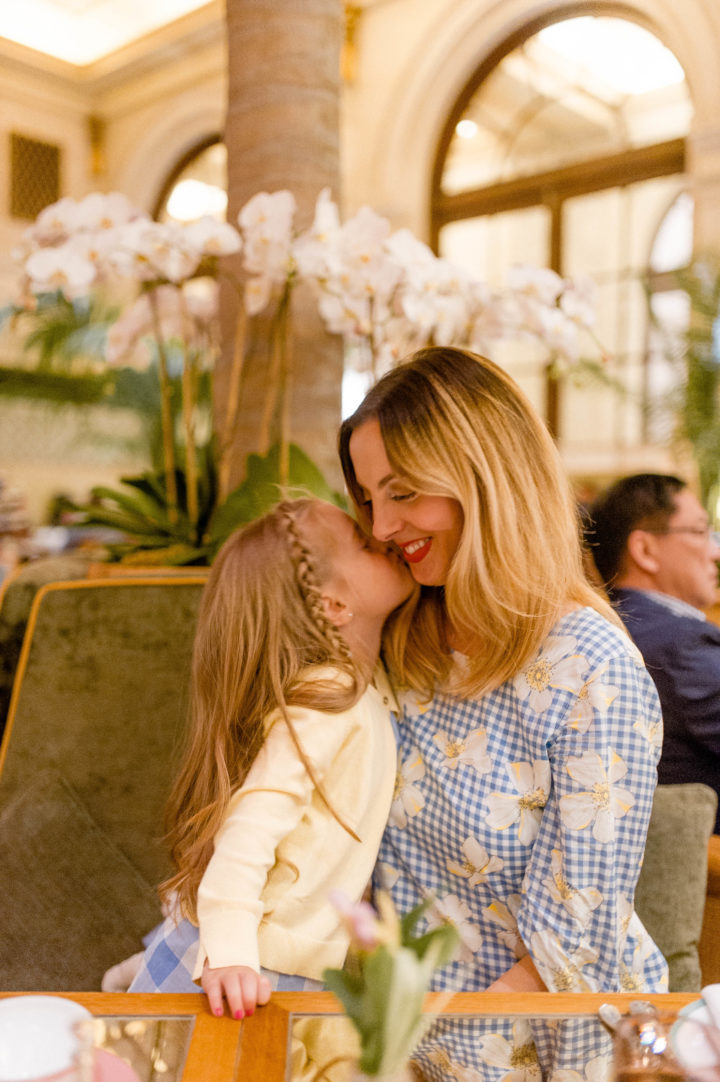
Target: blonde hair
{"x": 456, "y": 425}
{"x": 261, "y": 627}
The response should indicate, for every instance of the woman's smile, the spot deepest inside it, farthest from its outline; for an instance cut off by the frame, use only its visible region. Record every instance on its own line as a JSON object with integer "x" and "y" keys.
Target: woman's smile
{"x": 398, "y": 512}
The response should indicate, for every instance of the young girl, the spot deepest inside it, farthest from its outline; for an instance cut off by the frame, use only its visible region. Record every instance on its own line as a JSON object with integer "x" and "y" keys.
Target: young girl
{"x": 288, "y": 775}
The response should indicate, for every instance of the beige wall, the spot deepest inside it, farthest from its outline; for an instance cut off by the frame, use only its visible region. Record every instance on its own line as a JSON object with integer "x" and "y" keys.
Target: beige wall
{"x": 160, "y": 97}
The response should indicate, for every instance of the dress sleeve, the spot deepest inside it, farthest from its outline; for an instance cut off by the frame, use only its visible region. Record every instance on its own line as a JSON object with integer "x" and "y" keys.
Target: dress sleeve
{"x": 603, "y": 738}
{"x": 268, "y": 807}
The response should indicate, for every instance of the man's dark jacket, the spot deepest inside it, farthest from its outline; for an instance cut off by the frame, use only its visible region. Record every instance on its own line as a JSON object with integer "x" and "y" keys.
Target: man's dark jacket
{"x": 682, "y": 654}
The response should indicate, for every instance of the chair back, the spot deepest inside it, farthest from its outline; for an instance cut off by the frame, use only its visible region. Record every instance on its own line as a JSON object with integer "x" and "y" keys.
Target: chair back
{"x": 671, "y": 889}
{"x": 90, "y": 747}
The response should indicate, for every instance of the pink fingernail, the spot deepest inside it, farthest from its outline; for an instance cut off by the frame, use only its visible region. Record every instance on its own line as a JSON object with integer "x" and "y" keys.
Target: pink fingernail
{"x": 239, "y": 1014}
{"x": 218, "y": 1011}
{"x": 251, "y": 1011}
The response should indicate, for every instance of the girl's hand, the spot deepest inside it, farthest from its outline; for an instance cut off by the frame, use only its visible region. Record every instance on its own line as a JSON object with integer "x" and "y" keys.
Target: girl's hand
{"x": 242, "y": 987}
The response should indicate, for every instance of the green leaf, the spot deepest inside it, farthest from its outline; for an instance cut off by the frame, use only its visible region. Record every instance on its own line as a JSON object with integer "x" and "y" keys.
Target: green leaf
{"x": 261, "y": 490}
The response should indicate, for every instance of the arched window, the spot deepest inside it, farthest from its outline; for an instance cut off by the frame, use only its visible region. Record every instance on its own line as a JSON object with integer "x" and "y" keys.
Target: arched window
{"x": 565, "y": 150}
{"x": 197, "y": 185}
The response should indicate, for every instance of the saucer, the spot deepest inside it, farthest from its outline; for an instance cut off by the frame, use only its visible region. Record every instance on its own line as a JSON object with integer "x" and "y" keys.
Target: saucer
{"x": 688, "y": 1042}
{"x": 36, "y": 1035}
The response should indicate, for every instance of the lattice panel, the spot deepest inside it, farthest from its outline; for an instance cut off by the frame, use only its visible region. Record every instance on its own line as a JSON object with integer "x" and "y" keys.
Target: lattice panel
{"x": 34, "y": 175}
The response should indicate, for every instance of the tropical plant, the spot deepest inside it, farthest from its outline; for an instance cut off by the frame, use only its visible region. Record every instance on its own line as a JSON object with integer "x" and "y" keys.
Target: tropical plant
{"x": 99, "y": 275}
{"x": 693, "y": 350}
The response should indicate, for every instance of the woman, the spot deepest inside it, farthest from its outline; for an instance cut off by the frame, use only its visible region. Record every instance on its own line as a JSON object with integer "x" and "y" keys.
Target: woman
{"x": 529, "y": 731}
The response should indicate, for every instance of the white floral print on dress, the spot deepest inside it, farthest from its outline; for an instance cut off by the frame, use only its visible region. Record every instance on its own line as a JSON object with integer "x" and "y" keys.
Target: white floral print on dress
{"x": 603, "y": 801}
{"x": 452, "y": 910}
{"x": 519, "y": 1058}
{"x": 407, "y": 798}
{"x": 594, "y": 697}
{"x": 562, "y": 972}
{"x": 597, "y": 1069}
{"x": 558, "y": 665}
{"x": 578, "y": 903}
{"x": 651, "y": 730}
{"x": 504, "y": 914}
{"x": 472, "y": 750}
{"x": 524, "y": 806}
{"x": 477, "y": 865}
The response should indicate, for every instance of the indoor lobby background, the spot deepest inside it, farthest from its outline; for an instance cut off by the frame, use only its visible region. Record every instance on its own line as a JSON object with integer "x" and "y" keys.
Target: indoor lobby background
{"x": 488, "y": 128}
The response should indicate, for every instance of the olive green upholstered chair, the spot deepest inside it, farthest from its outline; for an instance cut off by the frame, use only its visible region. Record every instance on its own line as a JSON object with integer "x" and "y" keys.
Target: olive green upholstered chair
{"x": 90, "y": 746}
{"x": 671, "y": 890}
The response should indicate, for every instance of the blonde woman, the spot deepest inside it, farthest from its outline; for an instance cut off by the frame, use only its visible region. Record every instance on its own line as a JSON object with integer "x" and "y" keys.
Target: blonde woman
{"x": 288, "y": 774}
{"x": 529, "y": 729}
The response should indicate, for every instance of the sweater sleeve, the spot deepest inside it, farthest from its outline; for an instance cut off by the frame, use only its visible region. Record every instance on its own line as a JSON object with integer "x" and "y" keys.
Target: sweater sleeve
{"x": 268, "y": 807}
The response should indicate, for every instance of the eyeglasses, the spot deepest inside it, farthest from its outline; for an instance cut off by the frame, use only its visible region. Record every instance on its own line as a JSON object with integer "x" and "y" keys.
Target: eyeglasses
{"x": 697, "y": 531}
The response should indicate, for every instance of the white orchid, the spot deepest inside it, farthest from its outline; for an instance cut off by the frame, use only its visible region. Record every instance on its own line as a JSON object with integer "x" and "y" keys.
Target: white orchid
{"x": 212, "y": 238}
{"x": 190, "y": 315}
{"x": 578, "y": 902}
{"x": 62, "y": 268}
{"x": 518, "y": 1058}
{"x": 408, "y": 801}
{"x": 477, "y": 864}
{"x": 470, "y": 750}
{"x": 55, "y": 223}
{"x": 602, "y": 801}
{"x": 531, "y": 782}
{"x": 99, "y": 211}
{"x": 562, "y": 972}
{"x": 266, "y": 224}
{"x": 537, "y": 283}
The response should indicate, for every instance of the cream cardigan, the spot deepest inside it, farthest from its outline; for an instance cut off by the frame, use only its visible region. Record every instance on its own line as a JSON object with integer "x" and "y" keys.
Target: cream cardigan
{"x": 264, "y": 897}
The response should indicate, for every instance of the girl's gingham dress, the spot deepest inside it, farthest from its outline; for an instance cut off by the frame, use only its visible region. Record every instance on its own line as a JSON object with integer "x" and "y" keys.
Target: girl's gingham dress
{"x": 524, "y": 815}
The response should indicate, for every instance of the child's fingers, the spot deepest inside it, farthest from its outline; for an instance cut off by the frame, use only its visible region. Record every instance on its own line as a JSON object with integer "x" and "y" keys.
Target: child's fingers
{"x": 263, "y": 991}
{"x": 241, "y": 986}
{"x": 213, "y": 988}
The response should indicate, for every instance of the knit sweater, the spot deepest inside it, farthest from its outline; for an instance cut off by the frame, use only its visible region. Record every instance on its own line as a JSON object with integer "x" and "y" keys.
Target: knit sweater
{"x": 264, "y": 897}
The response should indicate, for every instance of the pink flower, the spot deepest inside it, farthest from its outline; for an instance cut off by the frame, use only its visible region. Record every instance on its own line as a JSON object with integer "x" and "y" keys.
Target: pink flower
{"x": 360, "y": 919}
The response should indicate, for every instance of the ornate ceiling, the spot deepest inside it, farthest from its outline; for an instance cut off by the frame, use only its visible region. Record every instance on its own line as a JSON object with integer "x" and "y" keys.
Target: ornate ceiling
{"x": 82, "y": 32}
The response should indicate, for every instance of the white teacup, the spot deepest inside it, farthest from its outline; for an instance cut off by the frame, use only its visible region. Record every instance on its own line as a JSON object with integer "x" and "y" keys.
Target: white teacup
{"x": 38, "y": 1040}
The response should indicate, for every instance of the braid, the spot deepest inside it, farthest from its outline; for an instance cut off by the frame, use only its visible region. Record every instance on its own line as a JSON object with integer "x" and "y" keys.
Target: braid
{"x": 307, "y": 580}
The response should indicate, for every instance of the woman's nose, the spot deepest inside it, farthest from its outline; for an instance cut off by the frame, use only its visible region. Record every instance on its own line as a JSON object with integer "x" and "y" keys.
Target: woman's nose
{"x": 385, "y": 522}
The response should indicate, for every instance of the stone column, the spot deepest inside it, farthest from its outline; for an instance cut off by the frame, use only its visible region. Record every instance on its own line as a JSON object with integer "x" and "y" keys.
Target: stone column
{"x": 282, "y": 131}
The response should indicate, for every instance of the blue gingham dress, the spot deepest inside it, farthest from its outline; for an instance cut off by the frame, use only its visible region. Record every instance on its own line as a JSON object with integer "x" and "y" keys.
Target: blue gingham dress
{"x": 524, "y": 814}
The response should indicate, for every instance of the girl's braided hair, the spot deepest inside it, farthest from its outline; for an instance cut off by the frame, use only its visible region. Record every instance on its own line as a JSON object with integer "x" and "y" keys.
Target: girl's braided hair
{"x": 263, "y": 645}
{"x": 307, "y": 577}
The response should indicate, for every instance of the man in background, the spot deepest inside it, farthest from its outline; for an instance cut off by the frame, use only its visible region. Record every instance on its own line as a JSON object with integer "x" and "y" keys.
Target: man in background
{"x": 653, "y": 547}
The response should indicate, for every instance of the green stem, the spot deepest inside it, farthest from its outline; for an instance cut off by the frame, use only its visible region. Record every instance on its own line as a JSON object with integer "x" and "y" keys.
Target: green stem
{"x": 276, "y": 369}
{"x": 285, "y": 348}
{"x": 166, "y": 416}
{"x": 233, "y": 402}
{"x": 189, "y": 383}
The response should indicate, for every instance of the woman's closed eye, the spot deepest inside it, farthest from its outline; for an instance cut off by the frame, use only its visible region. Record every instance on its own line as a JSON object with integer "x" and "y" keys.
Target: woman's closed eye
{"x": 399, "y": 497}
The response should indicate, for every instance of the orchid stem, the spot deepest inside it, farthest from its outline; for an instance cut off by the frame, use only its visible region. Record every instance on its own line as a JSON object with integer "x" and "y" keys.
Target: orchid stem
{"x": 188, "y": 410}
{"x": 233, "y": 402}
{"x": 166, "y": 416}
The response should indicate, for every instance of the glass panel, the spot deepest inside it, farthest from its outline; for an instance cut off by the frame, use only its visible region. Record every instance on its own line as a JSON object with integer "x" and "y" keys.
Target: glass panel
{"x": 582, "y": 88}
{"x": 616, "y": 257}
{"x": 156, "y": 1048}
{"x": 200, "y": 188}
{"x": 465, "y": 1046}
{"x": 488, "y": 247}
